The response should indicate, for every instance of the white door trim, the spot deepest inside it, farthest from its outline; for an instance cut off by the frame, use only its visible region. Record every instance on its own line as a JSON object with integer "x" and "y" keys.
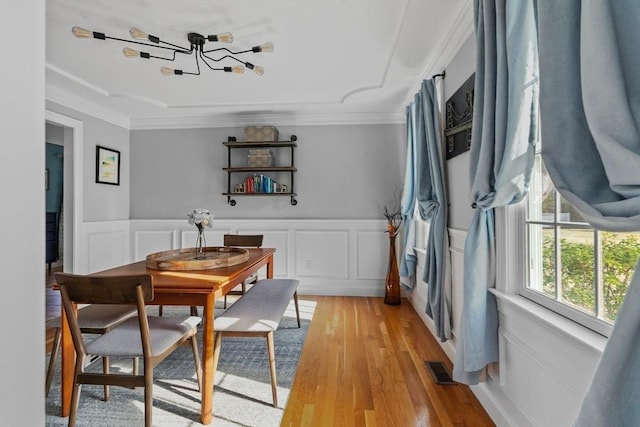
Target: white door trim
{"x": 71, "y": 198}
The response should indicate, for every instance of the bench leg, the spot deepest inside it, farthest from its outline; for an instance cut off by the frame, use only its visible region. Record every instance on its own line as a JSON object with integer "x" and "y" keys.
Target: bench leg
{"x": 272, "y": 368}
{"x": 217, "y": 341}
{"x": 196, "y": 357}
{"x": 105, "y": 369}
{"x": 295, "y": 300}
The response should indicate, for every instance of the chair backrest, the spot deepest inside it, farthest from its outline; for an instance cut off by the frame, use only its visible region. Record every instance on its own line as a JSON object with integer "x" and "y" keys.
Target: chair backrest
{"x": 247, "y": 240}
{"x": 104, "y": 290}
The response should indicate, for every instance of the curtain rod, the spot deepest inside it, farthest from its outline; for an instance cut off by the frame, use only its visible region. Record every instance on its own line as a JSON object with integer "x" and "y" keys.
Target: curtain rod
{"x": 442, "y": 74}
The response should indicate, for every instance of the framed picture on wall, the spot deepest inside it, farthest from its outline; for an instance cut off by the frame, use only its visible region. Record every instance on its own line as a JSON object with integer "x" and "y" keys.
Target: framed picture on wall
{"x": 107, "y": 166}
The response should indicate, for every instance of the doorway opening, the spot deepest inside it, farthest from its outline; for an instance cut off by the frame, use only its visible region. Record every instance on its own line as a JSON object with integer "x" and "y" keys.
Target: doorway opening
{"x": 71, "y": 138}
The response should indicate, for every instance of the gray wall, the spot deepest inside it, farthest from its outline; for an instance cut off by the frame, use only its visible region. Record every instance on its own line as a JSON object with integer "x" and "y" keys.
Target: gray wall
{"x": 101, "y": 202}
{"x": 458, "y": 185}
{"x": 344, "y": 172}
{"x": 22, "y": 307}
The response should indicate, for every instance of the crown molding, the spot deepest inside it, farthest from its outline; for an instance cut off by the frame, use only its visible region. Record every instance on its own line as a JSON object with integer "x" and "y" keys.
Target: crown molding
{"x": 459, "y": 31}
{"x": 66, "y": 99}
{"x": 275, "y": 119}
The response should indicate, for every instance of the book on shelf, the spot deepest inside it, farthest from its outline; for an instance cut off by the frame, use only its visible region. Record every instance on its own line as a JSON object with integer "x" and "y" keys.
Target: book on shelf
{"x": 259, "y": 184}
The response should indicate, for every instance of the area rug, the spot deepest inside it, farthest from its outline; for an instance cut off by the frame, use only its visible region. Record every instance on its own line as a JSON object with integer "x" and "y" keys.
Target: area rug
{"x": 242, "y": 393}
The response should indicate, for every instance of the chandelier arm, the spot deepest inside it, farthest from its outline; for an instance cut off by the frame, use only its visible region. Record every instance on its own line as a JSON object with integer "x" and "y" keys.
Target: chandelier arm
{"x": 204, "y": 60}
{"x": 197, "y": 65}
{"x": 221, "y": 58}
{"x": 179, "y": 48}
{"x": 175, "y": 47}
{"x": 174, "y": 55}
{"x": 230, "y": 51}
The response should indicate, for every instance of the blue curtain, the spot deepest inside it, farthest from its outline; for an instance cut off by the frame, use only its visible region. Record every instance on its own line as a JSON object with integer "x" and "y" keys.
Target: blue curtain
{"x": 424, "y": 185}
{"x": 502, "y": 152}
{"x": 407, "y": 205}
{"x": 590, "y": 107}
{"x": 432, "y": 205}
{"x": 590, "y": 120}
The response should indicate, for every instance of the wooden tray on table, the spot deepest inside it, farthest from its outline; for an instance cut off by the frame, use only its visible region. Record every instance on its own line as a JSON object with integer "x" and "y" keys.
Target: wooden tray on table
{"x": 185, "y": 259}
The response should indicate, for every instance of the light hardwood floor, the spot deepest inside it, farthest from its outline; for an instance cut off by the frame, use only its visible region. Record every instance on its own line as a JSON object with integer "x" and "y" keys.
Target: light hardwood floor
{"x": 363, "y": 364}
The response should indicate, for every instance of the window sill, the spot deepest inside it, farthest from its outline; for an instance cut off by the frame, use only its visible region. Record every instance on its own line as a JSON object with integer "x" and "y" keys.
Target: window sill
{"x": 552, "y": 321}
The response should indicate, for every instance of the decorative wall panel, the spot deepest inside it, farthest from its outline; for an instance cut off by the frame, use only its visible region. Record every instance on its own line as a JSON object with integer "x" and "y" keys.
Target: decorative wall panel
{"x": 322, "y": 254}
{"x": 371, "y": 261}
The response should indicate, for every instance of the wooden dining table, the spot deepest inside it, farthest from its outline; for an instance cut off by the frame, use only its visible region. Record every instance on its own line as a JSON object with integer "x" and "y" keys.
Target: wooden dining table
{"x": 186, "y": 288}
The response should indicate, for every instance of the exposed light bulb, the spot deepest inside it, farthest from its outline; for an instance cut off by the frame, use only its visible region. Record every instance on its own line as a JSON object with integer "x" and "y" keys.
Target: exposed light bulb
{"x": 130, "y": 53}
{"x": 225, "y": 37}
{"x": 166, "y": 71}
{"x": 137, "y": 33}
{"x": 237, "y": 69}
{"x": 266, "y": 47}
{"x": 258, "y": 70}
{"x": 81, "y": 32}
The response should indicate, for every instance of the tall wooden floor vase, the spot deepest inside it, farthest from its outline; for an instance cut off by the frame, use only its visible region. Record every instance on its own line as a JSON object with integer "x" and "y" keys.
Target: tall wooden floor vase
{"x": 392, "y": 283}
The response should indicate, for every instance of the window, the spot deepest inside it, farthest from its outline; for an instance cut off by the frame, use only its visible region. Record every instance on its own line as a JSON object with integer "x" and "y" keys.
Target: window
{"x": 579, "y": 272}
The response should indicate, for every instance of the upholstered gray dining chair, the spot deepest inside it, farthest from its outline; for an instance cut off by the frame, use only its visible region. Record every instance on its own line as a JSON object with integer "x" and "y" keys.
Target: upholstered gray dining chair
{"x": 92, "y": 319}
{"x": 151, "y": 338}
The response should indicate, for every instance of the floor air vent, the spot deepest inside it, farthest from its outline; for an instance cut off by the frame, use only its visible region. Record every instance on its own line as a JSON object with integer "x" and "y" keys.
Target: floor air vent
{"x": 439, "y": 373}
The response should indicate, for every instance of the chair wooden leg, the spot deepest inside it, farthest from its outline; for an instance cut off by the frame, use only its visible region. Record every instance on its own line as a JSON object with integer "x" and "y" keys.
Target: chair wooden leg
{"x": 272, "y": 368}
{"x": 194, "y": 311}
{"x": 52, "y": 360}
{"x": 75, "y": 400}
{"x": 225, "y": 302}
{"x": 148, "y": 395}
{"x": 75, "y": 391}
{"x": 160, "y": 310}
{"x": 196, "y": 357}
{"x": 295, "y": 300}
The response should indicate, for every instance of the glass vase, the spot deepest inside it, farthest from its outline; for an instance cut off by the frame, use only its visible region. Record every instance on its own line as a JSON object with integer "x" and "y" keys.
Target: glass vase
{"x": 201, "y": 244}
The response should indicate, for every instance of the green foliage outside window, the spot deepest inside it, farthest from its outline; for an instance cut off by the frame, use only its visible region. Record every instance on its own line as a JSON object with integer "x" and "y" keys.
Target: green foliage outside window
{"x": 619, "y": 258}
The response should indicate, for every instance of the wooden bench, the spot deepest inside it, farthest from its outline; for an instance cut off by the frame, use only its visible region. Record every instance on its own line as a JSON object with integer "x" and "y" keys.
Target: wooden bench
{"x": 257, "y": 314}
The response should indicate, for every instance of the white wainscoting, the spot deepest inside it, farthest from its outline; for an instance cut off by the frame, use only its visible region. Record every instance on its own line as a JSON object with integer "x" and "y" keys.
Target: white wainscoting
{"x": 546, "y": 361}
{"x": 104, "y": 244}
{"x": 329, "y": 257}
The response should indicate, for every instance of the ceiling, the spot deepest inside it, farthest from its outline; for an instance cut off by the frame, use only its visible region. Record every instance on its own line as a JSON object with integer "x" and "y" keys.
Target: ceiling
{"x": 348, "y": 61}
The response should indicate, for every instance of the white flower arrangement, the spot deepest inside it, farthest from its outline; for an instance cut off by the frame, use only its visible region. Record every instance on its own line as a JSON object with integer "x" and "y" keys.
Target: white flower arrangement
{"x": 201, "y": 218}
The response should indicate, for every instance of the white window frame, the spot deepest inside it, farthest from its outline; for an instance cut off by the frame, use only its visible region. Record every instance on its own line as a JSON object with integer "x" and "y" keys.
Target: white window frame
{"x": 511, "y": 271}
{"x": 518, "y": 215}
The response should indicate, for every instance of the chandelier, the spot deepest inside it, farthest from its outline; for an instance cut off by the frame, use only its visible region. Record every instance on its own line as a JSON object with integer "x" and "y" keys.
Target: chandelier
{"x": 209, "y": 57}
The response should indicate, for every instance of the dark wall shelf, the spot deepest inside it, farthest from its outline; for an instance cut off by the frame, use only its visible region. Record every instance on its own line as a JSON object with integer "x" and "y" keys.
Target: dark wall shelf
{"x": 290, "y": 169}
{"x": 264, "y": 169}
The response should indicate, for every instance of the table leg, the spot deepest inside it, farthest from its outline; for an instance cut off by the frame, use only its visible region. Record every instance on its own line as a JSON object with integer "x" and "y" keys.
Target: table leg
{"x": 67, "y": 362}
{"x": 270, "y": 267}
{"x": 208, "y": 374}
